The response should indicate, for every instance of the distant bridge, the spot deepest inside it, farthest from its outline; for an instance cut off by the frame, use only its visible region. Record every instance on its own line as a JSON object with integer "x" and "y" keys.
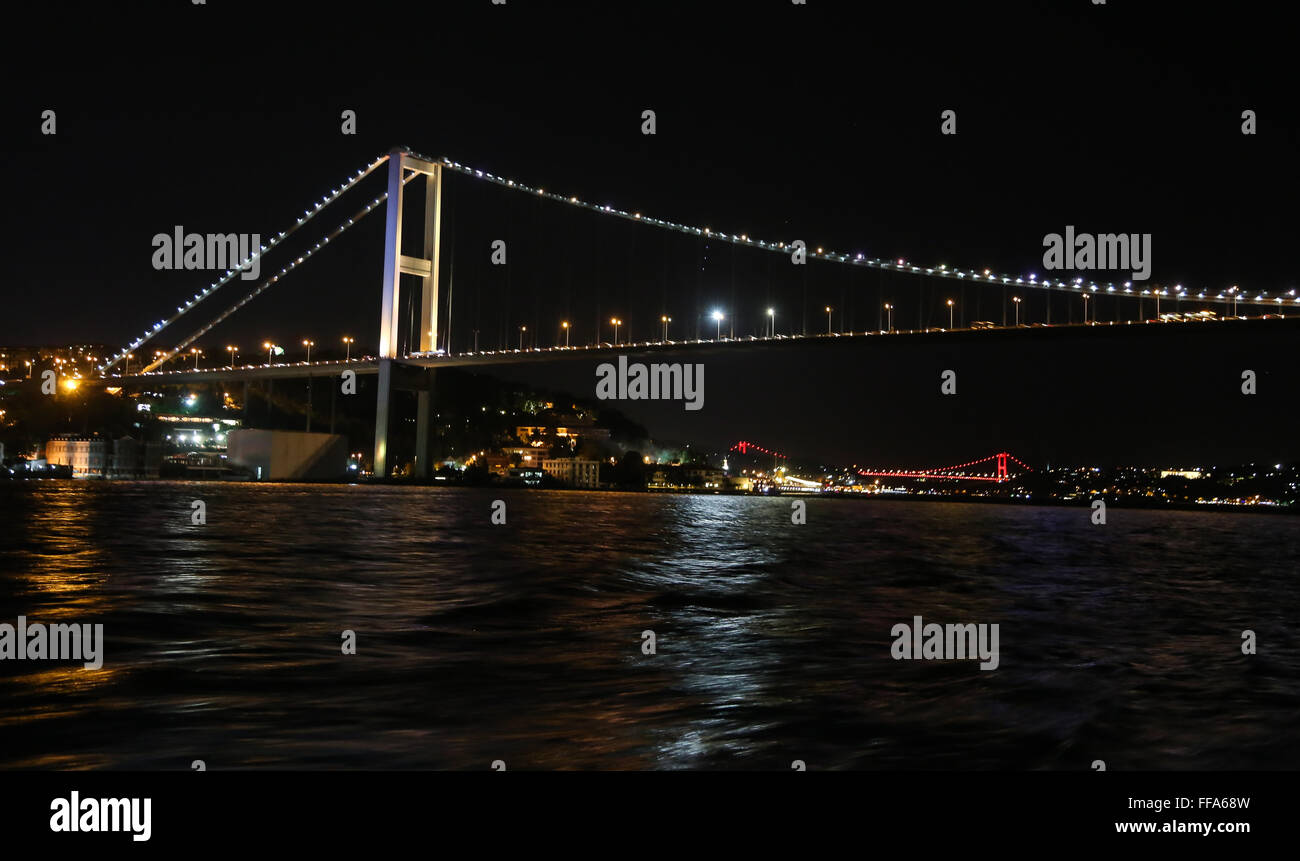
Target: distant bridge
{"x": 999, "y": 464}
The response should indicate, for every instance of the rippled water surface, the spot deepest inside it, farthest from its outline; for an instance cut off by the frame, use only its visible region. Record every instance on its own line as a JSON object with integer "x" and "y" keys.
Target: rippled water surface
{"x": 523, "y": 642}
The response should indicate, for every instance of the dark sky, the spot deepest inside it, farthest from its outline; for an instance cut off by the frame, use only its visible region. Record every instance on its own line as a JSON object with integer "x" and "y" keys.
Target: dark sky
{"x": 818, "y": 122}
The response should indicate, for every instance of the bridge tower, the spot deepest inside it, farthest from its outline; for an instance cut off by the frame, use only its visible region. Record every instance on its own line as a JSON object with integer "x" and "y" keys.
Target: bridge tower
{"x": 397, "y": 264}
{"x": 1002, "y": 466}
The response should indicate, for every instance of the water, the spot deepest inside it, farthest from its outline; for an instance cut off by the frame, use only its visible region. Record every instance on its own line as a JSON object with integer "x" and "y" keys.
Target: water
{"x": 523, "y": 642}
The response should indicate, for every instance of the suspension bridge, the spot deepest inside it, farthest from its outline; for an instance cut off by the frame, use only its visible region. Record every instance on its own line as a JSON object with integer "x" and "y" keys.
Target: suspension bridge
{"x": 999, "y": 467}
{"x": 414, "y": 333}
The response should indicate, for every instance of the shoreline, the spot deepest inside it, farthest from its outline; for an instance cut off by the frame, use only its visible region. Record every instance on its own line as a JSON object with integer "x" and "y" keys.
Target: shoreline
{"x": 1111, "y": 503}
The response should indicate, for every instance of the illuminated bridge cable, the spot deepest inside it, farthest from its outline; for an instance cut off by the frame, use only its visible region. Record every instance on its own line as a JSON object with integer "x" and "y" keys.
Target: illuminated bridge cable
{"x": 984, "y": 276}
{"x": 360, "y": 214}
{"x": 308, "y": 215}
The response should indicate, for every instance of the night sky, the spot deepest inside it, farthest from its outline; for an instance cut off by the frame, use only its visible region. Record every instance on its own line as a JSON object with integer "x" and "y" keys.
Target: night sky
{"x": 818, "y": 122}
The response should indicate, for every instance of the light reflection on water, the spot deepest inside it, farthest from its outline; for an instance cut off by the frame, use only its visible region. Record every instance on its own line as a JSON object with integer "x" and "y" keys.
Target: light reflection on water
{"x": 523, "y": 642}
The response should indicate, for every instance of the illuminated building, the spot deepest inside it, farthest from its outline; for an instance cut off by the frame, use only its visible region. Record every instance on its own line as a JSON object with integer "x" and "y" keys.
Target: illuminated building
{"x": 87, "y": 455}
{"x": 573, "y": 471}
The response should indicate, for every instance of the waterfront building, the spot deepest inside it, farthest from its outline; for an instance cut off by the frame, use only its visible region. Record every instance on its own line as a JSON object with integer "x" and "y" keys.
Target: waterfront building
{"x": 87, "y": 455}
{"x": 573, "y": 471}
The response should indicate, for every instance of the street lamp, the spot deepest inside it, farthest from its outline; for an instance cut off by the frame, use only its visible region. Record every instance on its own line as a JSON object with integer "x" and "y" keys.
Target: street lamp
{"x": 828, "y": 319}
{"x": 949, "y": 313}
{"x": 1016, "y": 299}
{"x": 889, "y": 309}
{"x": 308, "y": 343}
{"x": 347, "y": 343}
{"x": 565, "y": 327}
{"x": 129, "y": 357}
{"x": 771, "y": 322}
{"x": 616, "y": 323}
{"x": 1085, "y": 308}
{"x": 717, "y": 318}
{"x": 665, "y": 319}
{"x": 268, "y": 346}
{"x": 522, "y": 329}
{"x": 232, "y": 351}
{"x": 197, "y": 352}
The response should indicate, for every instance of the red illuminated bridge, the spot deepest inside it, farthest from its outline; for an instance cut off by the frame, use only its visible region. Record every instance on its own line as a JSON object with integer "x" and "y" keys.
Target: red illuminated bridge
{"x": 995, "y": 467}
{"x": 747, "y": 447}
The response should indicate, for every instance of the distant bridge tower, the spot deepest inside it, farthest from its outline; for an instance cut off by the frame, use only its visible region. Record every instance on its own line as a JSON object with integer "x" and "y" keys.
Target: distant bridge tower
{"x": 1002, "y": 465}
{"x": 397, "y": 264}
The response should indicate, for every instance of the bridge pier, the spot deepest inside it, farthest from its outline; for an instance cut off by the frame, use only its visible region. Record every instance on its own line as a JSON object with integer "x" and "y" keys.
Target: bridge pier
{"x": 424, "y": 403}
{"x": 385, "y": 390}
{"x": 381, "y": 419}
